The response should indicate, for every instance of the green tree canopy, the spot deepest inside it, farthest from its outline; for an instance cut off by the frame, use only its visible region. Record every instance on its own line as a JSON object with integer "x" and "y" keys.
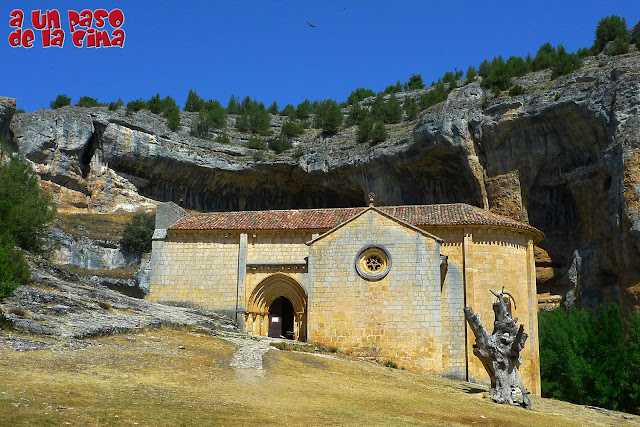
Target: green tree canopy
{"x": 216, "y": 114}
{"x": 472, "y": 73}
{"x": 329, "y": 116}
{"x": 24, "y": 215}
{"x": 290, "y": 129}
{"x": 137, "y": 234}
{"x": 289, "y": 111}
{"x": 60, "y": 101}
{"x": 378, "y": 133}
{"x": 415, "y": 82}
{"x": 87, "y": 101}
{"x": 392, "y": 110}
{"x": 25, "y": 211}
{"x": 411, "y": 108}
{"x": 136, "y": 105}
{"x": 303, "y": 111}
{"x": 591, "y": 358}
{"x": 393, "y": 88}
{"x": 545, "y": 57}
{"x": 194, "y": 102}
{"x": 233, "y": 106}
{"x": 173, "y": 118}
{"x": 273, "y": 108}
{"x": 608, "y": 29}
{"x": 358, "y": 95}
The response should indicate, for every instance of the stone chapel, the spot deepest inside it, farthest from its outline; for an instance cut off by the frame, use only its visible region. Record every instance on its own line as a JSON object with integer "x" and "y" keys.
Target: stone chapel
{"x": 388, "y": 282}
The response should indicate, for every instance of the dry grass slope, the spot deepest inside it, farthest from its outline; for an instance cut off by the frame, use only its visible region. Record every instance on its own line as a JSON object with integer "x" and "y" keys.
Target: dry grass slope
{"x": 179, "y": 377}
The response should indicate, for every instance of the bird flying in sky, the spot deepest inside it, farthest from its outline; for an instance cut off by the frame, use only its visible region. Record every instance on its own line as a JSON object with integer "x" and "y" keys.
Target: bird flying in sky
{"x": 310, "y": 24}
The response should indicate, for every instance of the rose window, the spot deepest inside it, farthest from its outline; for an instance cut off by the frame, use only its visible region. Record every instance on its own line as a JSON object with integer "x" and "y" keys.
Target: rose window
{"x": 373, "y": 263}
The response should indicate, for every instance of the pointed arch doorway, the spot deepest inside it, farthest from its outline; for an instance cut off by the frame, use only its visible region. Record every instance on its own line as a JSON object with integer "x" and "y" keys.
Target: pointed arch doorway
{"x": 277, "y": 308}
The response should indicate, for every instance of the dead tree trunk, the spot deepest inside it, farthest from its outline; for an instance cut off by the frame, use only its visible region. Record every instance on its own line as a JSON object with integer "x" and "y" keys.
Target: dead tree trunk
{"x": 500, "y": 353}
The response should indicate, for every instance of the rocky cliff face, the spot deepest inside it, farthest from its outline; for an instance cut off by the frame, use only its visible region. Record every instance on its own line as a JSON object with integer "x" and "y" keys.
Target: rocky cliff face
{"x": 564, "y": 156}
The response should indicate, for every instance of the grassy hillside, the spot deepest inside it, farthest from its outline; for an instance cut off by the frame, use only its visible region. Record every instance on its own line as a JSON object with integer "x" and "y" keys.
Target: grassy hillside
{"x": 180, "y": 377}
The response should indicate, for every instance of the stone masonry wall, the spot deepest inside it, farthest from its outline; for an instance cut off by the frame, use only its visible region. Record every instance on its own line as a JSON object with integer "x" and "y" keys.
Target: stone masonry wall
{"x": 198, "y": 268}
{"x": 499, "y": 258}
{"x": 453, "y": 322}
{"x": 397, "y": 317}
{"x": 479, "y": 260}
{"x": 278, "y": 246}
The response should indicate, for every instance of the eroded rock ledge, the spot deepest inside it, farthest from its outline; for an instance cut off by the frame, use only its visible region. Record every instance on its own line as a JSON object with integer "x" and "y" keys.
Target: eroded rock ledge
{"x": 563, "y": 157}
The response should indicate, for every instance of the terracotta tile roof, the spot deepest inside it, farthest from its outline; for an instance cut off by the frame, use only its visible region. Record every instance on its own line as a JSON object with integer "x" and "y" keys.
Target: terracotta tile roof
{"x": 419, "y": 215}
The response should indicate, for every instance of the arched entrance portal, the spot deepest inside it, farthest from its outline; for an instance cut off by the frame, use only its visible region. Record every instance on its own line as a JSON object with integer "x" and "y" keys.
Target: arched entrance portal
{"x": 281, "y": 318}
{"x": 277, "y": 307}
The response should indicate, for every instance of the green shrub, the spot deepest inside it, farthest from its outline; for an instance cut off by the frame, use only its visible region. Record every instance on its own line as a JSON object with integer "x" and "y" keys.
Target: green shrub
{"x": 216, "y": 114}
{"x": 472, "y": 73}
{"x": 232, "y": 105}
{"x": 392, "y": 110}
{"x": 194, "y": 102}
{"x": 499, "y": 76}
{"x": 378, "y": 133}
{"x": 155, "y": 104}
{"x": 415, "y": 82}
{"x": 242, "y": 122}
{"x": 619, "y": 45}
{"x": 609, "y": 29}
{"x": 545, "y": 57}
{"x": 136, "y": 105}
{"x": 289, "y": 111}
{"x": 87, "y": 101}
{"x": 451, "y": 79}
{"x": 137, "y": 234}
{"x": 290, "y": 129}
{"x": 24, "y": 215}
{"x": 329, "y": 117}
{"x": 517, "y": 66}
{"x": 359, "y": 95}
{"x": 393, "y": 88}
{"x": 355, "y": 115}
{"x": 113, "y": 106}
{"x": 60, "y": 101}
{"x": 591, "y": 359}
{"x": 364, "y": 130}
{"x": 303, "y": 110}
{"x": 390, "y": 364}
{"x": 223, "y": 138}
{"x": 256, "y": 143}
{"x": 200, "y": 125}
{"x": 173, "y": 119}
{"x": 565, "y": 62}
{"x": 273, "y": 108}
{"x": 516, "y": 90}
{"x": 484, "y": 69}
{"x": 638, "y": 43}
{"x": 14, "y": 271}
{"x": 24, "y": 211}
{"x": 377, "y": 107}
{"x": 556, "y": 97}
{"x": 280, "y": 144}
{"x": 434, "y": 96}
{"x": 411, "y": 108}
{"x": 259, "y": 119}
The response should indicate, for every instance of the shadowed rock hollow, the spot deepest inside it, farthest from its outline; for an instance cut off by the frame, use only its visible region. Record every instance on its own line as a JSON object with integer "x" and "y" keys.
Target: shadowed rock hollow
{"x": 563, "y": 157}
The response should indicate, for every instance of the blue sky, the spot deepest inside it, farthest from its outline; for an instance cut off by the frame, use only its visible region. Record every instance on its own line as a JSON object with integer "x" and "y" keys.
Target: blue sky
{"x": 266, "y": 50}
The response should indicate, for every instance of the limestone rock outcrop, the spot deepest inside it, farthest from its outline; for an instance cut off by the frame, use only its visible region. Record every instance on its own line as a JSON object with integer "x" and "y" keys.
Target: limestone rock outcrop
{"x": 564, "y": 157}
